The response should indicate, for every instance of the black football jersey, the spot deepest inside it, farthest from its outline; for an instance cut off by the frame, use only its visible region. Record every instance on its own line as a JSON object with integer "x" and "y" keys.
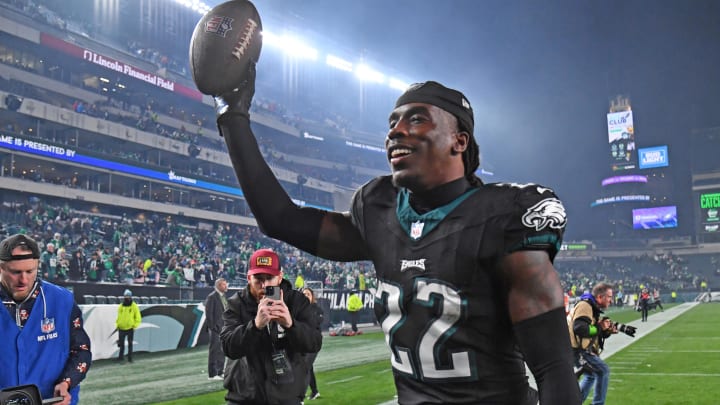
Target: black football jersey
{"x": 441, "y": 300}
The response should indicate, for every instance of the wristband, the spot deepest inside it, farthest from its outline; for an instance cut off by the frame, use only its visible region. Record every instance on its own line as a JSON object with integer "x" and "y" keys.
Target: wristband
{"x": 593, "y": 330}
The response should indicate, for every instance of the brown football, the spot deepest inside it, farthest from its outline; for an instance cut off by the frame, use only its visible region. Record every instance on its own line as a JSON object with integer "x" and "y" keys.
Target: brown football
{"x": 224, "y": 43}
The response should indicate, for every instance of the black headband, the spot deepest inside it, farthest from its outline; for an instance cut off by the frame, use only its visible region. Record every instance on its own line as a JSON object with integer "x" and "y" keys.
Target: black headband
{"x": 22, "y": 257}
{"x": 436, "y": 94}
{"x": 9, "y": 244}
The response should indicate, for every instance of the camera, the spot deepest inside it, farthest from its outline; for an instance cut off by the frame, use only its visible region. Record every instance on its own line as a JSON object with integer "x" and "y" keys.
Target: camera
{"x": 272, "y": 292}
{"x": 626, "y": 329}
{"x": 21, "y": 395}
{"x": 282, "y": 368}
{"x": 25, "y": 395}
{"x": 621, "y": 327}
{"x": 582, "y": 366}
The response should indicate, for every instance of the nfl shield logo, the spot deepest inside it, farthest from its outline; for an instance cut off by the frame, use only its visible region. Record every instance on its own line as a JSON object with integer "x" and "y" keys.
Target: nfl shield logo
{"x": 219, "y": 25}
{"x": 48, "y": 325}
{"x": 416, "y": 229}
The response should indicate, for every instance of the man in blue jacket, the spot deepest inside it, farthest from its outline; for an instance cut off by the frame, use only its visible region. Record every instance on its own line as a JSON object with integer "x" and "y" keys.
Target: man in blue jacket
{"x": 44, "y": 342}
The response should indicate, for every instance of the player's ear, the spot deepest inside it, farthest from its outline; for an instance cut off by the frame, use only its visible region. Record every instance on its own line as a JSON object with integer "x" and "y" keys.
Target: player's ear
{"x": 460, "y": 142}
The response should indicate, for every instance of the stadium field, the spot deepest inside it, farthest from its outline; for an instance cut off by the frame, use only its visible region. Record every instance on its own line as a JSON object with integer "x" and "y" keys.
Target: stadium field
{"x": 675, "y": 359}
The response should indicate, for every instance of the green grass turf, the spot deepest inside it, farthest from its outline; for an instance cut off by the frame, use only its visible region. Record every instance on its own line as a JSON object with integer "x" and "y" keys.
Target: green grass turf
{"x": 369, "y": 383}
{"x": 679, "y": 363}
{"x": 180, "y": 376}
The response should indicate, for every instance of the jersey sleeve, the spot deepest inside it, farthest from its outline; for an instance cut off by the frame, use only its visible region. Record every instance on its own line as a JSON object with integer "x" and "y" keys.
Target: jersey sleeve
{"x": 537, "y": 220}
{"x": 357, "y": 207}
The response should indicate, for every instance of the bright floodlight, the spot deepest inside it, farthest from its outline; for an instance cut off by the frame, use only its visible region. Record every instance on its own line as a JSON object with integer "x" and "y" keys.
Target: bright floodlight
{"x": 290, "y": 45}
{"x": 398, "y": 84}
{"x": 338, "y": 63}
{"x": 366, "y": 73}
{"x": 195, "y": 5}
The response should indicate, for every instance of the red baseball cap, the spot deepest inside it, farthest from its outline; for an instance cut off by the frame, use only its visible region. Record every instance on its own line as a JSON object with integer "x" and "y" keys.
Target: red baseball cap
{"x": 264, "y": 261}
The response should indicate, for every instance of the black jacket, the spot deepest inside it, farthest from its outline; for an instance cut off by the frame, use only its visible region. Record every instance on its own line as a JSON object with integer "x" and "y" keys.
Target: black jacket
{"x": 214, "y": 312}
{"x": 319, "y": 314}
{"x": 249, "y": 375}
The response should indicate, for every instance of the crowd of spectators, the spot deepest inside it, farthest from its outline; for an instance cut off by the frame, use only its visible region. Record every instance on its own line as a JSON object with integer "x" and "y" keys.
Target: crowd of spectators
{"x": 278, "y": 148}
{"x": 662, "y": 271}
{"x": 307, "y": 116}
{"x": 86, "y": 245}
{"x": 143, "y": 113}
{"x": 92, "y": 246}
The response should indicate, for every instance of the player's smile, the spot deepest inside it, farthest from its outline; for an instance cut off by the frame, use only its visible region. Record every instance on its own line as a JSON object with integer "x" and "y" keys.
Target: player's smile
{"x": 398, "y": 153}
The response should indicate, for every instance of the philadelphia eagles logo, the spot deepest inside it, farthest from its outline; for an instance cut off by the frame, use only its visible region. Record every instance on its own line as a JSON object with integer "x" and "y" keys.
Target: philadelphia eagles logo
{"x": 547, "y": 213}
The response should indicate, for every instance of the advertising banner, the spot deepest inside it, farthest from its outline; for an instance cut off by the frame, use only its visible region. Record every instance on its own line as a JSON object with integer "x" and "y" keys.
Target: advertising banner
{"x": 656, "y": 156}
{"x": 710, "y": 212}
{"x": 621, "y": 138}
{"x": 655, "y": 217}
{"x": 119, "y": 67}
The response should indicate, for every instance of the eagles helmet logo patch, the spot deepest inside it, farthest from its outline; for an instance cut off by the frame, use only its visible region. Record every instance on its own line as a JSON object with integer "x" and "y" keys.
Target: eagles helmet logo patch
{"x": 547, "y": 213}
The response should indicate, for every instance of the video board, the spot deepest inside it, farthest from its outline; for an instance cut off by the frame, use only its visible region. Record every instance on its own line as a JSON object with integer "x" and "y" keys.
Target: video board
{"x": 710, "y": 212}
{"x": 621, "y": 139}
{"x": 655, "y": 217}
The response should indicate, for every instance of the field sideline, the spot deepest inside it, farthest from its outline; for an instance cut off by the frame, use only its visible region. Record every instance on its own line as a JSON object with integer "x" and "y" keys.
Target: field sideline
{"x": 671, "y": 361}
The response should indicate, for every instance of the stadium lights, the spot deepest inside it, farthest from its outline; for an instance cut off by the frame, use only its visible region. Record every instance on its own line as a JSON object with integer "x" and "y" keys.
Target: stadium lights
{"x": 195, "y": 5}
{"x": 290, "y": 45}
{"x": 295, "y": 47}
{"x": 366, "y": 73}
{"x": 338, "y": 63}
{"x": 398, "y": 84}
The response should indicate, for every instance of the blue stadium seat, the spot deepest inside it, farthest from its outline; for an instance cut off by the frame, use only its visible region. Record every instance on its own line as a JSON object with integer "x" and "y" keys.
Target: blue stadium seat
{"x": 89, "y": 299}
{"x": 100, "y": 299}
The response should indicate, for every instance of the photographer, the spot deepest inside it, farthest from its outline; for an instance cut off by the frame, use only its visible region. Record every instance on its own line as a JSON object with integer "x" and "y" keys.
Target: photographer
{"x": 266, "y": 338}
{"x": 44, "y": 342}
{"x": 588, "y": 331}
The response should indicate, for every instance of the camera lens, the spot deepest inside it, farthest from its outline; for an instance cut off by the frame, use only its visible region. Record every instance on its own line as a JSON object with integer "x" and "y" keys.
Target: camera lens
{"x": 19, "y": 399}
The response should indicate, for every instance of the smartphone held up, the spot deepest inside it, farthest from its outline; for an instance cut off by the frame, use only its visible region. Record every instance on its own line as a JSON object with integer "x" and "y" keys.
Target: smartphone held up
{"x": 272, "y": 292}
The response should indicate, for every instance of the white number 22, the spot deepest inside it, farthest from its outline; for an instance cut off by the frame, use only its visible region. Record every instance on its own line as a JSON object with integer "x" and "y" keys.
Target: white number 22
{"x": 431, "y": 340}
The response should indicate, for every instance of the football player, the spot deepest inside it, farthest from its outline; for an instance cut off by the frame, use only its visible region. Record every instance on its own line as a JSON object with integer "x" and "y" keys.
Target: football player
{"x": 466, "y": 287}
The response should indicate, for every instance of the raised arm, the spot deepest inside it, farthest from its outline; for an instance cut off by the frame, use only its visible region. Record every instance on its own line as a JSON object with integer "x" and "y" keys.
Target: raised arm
{"x": 327, "y": 234}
